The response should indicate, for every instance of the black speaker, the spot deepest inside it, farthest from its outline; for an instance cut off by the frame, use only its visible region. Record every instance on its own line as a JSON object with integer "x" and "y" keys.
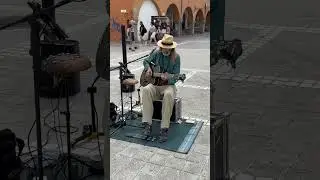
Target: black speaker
{"x": 48, "y": 86}
{"x": 176, "y": 113}
{"x": 219, "y": 140}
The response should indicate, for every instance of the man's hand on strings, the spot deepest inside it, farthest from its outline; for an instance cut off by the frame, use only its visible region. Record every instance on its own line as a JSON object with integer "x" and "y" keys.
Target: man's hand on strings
{"x": 149, "y": 72}
{"x": 164, "y": 76}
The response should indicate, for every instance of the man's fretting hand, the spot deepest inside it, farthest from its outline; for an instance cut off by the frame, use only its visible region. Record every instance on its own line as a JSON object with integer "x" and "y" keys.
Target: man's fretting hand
{"x": 164, "y": 76}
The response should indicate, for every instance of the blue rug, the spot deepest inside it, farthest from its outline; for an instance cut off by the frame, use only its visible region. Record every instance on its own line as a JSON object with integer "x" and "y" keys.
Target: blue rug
{"x": 180, "y": 139}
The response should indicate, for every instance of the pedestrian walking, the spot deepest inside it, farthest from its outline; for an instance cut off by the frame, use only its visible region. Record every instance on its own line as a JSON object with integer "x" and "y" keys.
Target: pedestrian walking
{"x": 152, "y": 32}
{"x": 142, "y": 33}
{"x": 133, "y": 45}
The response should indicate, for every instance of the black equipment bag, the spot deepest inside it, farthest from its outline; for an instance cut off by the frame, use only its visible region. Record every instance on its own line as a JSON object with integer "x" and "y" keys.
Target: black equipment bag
{"x": 113, "y": 114}
{"x": 9, "y": 159}
{"x": 232, "y": 51}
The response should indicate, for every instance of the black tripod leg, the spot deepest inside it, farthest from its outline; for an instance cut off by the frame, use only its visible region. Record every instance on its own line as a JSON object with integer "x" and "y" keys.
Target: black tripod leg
{"x": 91, "y": 91}
{"x": 67, "y": 114}
{"x": 139, "y": 98}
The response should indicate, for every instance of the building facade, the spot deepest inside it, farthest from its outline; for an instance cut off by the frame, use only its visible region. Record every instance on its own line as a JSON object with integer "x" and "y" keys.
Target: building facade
{"x": 188, "y": 16}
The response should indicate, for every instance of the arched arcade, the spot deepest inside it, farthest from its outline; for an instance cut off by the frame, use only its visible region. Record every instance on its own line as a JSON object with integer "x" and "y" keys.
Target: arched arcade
{"x": 187, "y": 21}
{"x": 174, "y": 17}
{"x": 147, "y": 9}
{"x": 199, "y": 22}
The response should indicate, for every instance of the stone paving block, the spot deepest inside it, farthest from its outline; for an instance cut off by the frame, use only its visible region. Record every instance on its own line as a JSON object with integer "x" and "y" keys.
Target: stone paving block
{"x": 309, "y": 81}
{"x": 194, "y": 168}
{"x": 202, "y": 149}
{"x": 168, "y": 173}
{"x": 174, "y": 162}
{"x": 304, "y": 85}
{"x": 131, "y": 169}
{"x": 237, "y": 78}
{"x": 244, "y": 177}
{"x": 117, "y": 147}
{"x": 163, "y": 152}
{"x": 243, "y": 75}
{"x": 282, "y": 79}
{"x": 256, "y": 77}
{"x": 196, "y": 157}
{"x": 263, "y": 178}
{"x": 266, "y": 81}
{"x": 143, "y": 155}
{"x": 187, "y": 176}
{"x": 159, "y": 159}
{"x": 277, "y": 82}
{"x": 251, "y": 79}
{"x": 129, "y": 152}
{"x": 293, "y": 84}
{"x": 203, "y": 178}
{"x": 149, "y": 171}
{"x": 203, "y": 139}
{"x": 317, "y": 86}
{"x": 269, "y": 77}
{"x": 206, "y": 170}
{"x": 117, "y": 163}
{"x": 226, "y": 77}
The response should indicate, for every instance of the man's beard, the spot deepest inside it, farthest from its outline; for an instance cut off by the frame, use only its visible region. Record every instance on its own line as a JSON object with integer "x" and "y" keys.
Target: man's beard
{"x": 166, "y": 53}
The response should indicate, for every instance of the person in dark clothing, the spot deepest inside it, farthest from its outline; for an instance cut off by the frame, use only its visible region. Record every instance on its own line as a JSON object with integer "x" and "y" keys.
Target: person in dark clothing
{"x": 142, "y": 31}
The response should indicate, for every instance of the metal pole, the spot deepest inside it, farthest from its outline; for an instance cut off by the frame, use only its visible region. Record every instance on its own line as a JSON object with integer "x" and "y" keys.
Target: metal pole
{"x": 217, "y": 9}
{"x": 51, "y": 13}
{"x": 35, "y": 51}
{"x": 124, "y": 45}
{"x": 217, "y": 16}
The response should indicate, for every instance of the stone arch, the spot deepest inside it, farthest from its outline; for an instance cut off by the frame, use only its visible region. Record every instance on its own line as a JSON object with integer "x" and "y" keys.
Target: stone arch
{"x": 199, "y": 21}
{"x": 145, "y": 10}
{"x": 174, "y": 16}
{"x": 187, "y": 20}
{"x": 207, "y": 26}
{"x": 139, "y": 3}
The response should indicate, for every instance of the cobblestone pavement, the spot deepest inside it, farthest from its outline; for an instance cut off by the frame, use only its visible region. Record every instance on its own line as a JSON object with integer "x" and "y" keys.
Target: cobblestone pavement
{"x": 273, "y": 95}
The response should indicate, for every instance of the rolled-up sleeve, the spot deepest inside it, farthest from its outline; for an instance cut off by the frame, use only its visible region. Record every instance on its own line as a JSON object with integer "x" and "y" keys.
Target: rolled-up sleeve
{"x": 150, "y": 59}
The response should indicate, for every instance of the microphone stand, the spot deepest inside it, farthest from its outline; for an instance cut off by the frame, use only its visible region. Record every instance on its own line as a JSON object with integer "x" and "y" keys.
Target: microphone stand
{"x": 124, "y": 70}
{"x": 35, "y": 26}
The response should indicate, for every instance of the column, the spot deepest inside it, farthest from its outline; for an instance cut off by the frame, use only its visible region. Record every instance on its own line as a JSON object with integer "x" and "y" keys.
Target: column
{"x": 203, "y": 26}
{"x": 192, "y": 28}
{"x": 178, "y": 28}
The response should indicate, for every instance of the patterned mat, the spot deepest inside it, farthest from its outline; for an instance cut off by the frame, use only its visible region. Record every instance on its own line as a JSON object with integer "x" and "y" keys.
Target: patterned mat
{"x": 180, "y": 139}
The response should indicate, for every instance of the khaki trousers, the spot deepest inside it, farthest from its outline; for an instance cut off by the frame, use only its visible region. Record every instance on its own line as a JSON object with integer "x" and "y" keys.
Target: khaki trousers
{"x": 151, "y": 93}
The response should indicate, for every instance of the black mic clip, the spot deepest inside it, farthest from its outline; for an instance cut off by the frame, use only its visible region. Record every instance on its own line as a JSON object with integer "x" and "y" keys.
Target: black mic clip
{"x": 124, "y": 68}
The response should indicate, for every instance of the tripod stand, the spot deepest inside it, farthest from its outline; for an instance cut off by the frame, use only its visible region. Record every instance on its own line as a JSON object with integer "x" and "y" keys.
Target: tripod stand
{"x": 93, "y": 133}
{"x": 69, "y": 157}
